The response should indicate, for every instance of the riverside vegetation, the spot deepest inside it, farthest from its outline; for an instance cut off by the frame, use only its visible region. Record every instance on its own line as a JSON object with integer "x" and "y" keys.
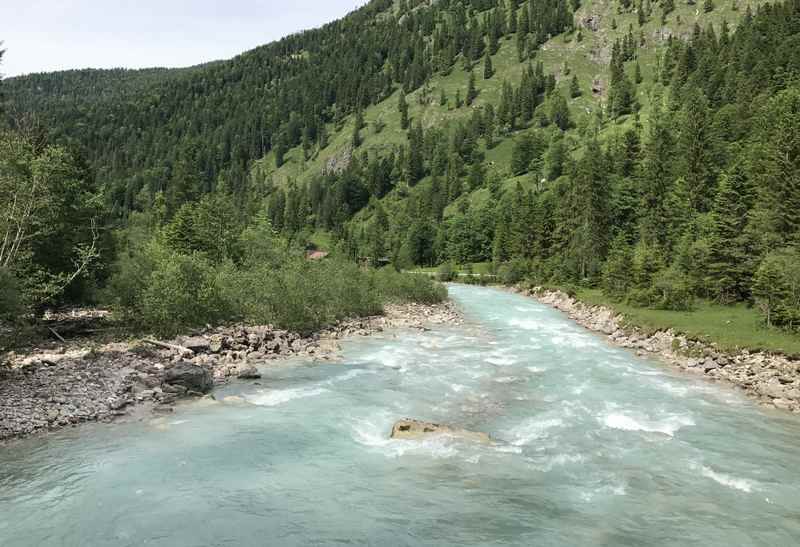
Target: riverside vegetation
{"x": 645, "y": 149}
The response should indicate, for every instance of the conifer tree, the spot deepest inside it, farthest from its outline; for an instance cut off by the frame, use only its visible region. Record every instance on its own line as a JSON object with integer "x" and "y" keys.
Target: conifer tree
{"x": 731, "y": 257}
{"x": 574, "y": 87}
{"x": 655, "y": 180}
{"x": 402, "y": 106}
{"x": 472, "y": 91}
{"x": 488, "y": 71}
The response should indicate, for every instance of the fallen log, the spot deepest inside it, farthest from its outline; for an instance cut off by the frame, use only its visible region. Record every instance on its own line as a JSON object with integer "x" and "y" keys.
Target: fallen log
{"x": 182, "y": 350}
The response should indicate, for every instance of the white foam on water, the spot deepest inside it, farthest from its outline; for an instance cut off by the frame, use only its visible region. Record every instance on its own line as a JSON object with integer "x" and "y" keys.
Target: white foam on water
{"x": 500, "y": 361}
{"x": 525, "y": 324}
{"x": 730, "y": 481}
{"x": 673, "y": 389}
{"x": 506, "y": 379}
{"x": 178, "y": 422}
{"x": 537, "y": 370}
{"x": 578, "y": 340}
{"x": 375, "y": 435}
{"x": 458, "y": 388}
{"x": 577, "y": 390}
{"x": 349, "y": 375}
{"x": 532, "y": 429}
{"x": 277, "y": 397}
{"x": 668, "y": 426}
{"x": 614, "y": 490}
{"x": 527, "y": 309}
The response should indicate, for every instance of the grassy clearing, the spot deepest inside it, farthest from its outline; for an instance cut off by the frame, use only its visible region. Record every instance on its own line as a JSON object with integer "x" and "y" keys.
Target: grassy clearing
{"x": 730, "y": 327}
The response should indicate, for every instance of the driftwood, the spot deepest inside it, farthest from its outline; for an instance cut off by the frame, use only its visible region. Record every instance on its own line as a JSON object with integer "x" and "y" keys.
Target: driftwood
{"x": 182, "y": 350}
{"x": 57, "y": 335}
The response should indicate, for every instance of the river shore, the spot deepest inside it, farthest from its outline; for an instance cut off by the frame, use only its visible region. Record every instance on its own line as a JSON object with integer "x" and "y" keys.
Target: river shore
{"x": 62, "y": 385}
{"x": 774, "y": 380}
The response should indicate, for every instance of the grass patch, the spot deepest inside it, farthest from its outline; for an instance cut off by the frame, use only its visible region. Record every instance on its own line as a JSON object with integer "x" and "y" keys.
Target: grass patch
{"x": 730, "y": 327}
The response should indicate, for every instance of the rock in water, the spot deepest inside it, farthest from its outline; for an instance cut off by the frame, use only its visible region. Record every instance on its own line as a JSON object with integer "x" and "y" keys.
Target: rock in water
{"x": 192, "y": 377}
{"x": 416, "y": 429}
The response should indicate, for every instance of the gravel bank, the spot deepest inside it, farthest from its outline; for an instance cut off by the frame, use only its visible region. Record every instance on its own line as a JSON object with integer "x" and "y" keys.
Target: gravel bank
{"x": 44, "y": 390}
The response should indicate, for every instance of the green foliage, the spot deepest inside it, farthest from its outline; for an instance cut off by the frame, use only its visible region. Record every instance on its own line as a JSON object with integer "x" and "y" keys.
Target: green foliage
{"x": 776, "y": 287}
{"x": 392, "y": 286}
{"x": 11, "y": 305}
{"x": 446, "y": 272}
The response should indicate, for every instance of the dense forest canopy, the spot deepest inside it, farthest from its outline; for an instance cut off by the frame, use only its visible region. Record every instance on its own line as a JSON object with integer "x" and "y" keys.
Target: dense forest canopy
{"x": 682, "y": 182}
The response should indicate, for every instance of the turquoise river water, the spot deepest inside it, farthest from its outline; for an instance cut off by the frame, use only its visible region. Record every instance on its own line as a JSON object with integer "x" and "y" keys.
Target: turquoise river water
{"x": 594, "y": 446}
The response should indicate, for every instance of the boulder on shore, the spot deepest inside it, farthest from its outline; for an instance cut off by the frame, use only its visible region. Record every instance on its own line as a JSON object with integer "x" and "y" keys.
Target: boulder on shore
{"x": 416, "y": 429}
{"x": 192, "y": 377}
{"x": 248, "y": 373}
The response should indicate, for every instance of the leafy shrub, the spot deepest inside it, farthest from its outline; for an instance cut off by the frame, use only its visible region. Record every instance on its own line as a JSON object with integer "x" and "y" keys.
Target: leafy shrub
{"x": 183, "y": 291}
{"x": 671, "y": 291}
{"x": 776, "y": 287}
{"x": 396, "y": 287}
{"x": 513, "y": 272}
{"x": 11, "y": 306}
{"x": 446, "y": 272}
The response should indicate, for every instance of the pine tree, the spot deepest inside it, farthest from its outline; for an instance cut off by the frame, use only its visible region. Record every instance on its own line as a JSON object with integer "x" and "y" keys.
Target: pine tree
{"x": 574, "y": 87}
{"x": 488, "y": 71}
{"x": 402, "y": 106}
{"x": 416, "y": 166}
{"x": 357, "y": 126}
{"x": 472, "y": 91}
{"x": 586, "y": 214}
{"x": 559, "y": 110}
{"x": 708, "y": 5}
{"x": 655, "y": 180}
{"x": 731, "y": 263}
{"x": 640, "y": 16}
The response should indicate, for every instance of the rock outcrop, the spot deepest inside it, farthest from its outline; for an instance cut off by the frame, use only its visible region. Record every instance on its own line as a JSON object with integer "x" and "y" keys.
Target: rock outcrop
{"x": 416, "y": 429}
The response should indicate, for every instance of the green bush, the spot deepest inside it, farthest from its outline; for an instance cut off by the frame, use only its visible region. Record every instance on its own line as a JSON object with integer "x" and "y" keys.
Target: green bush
{"x": 397, "y": 287}
{"x": 446, "y": 272}
{"x": 776, "y": 287}
{"x": 513, "y": 272}
{"x": 183, "y": 291}
{"x": 11, "y": 305}
{"x": 672, "y": 291}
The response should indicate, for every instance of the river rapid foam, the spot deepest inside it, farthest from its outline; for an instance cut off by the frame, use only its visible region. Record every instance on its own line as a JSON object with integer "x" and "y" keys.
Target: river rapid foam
{"x": 591, "y": 445}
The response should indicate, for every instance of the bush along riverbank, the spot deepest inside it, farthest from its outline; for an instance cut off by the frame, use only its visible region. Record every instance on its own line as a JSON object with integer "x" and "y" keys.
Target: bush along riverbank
{"x": 69, "y": 384}
{"x": 773, "y": 379}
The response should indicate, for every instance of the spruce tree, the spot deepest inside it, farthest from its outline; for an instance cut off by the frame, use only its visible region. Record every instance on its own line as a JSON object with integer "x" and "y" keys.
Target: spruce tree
{"x": 574, "y": 87}
{"x": 402, "y": 106}
{"x": 472, "y": 91}
{"x": 488, "y": 71}
{"x": 731, "y": 263}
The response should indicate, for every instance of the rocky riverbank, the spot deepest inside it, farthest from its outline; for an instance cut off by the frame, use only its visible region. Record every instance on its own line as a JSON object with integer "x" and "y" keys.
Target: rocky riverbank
{"x": 49, "y": 388}
{"x": 772, "y": 379}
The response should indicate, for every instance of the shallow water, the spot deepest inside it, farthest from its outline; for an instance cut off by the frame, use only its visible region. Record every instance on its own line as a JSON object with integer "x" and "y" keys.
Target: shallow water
{"x": 594, "y": 446}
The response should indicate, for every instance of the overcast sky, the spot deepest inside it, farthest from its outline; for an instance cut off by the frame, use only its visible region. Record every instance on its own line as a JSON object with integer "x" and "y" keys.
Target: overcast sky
{"x": 45, "y": 35}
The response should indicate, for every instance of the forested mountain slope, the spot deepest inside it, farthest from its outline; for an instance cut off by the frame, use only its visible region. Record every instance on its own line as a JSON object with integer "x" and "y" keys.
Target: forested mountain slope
{"x": 648, "y": 148}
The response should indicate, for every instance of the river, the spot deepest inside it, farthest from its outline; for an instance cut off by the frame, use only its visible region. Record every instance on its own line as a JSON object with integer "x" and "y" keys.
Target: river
{"x": 594, "y": 446}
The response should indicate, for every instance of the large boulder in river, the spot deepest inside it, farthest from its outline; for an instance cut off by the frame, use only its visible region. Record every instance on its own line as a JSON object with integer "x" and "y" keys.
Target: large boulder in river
{"x": 192, "y": 377}
{"x": 416, "y": 429}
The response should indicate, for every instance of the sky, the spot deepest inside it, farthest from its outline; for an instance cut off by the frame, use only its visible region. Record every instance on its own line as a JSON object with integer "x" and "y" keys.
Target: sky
{"x": 47, "y": 35}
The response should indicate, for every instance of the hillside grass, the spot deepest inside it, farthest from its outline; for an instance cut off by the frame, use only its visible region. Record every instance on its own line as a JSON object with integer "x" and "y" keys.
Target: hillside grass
{"x": 731, "y": 328}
